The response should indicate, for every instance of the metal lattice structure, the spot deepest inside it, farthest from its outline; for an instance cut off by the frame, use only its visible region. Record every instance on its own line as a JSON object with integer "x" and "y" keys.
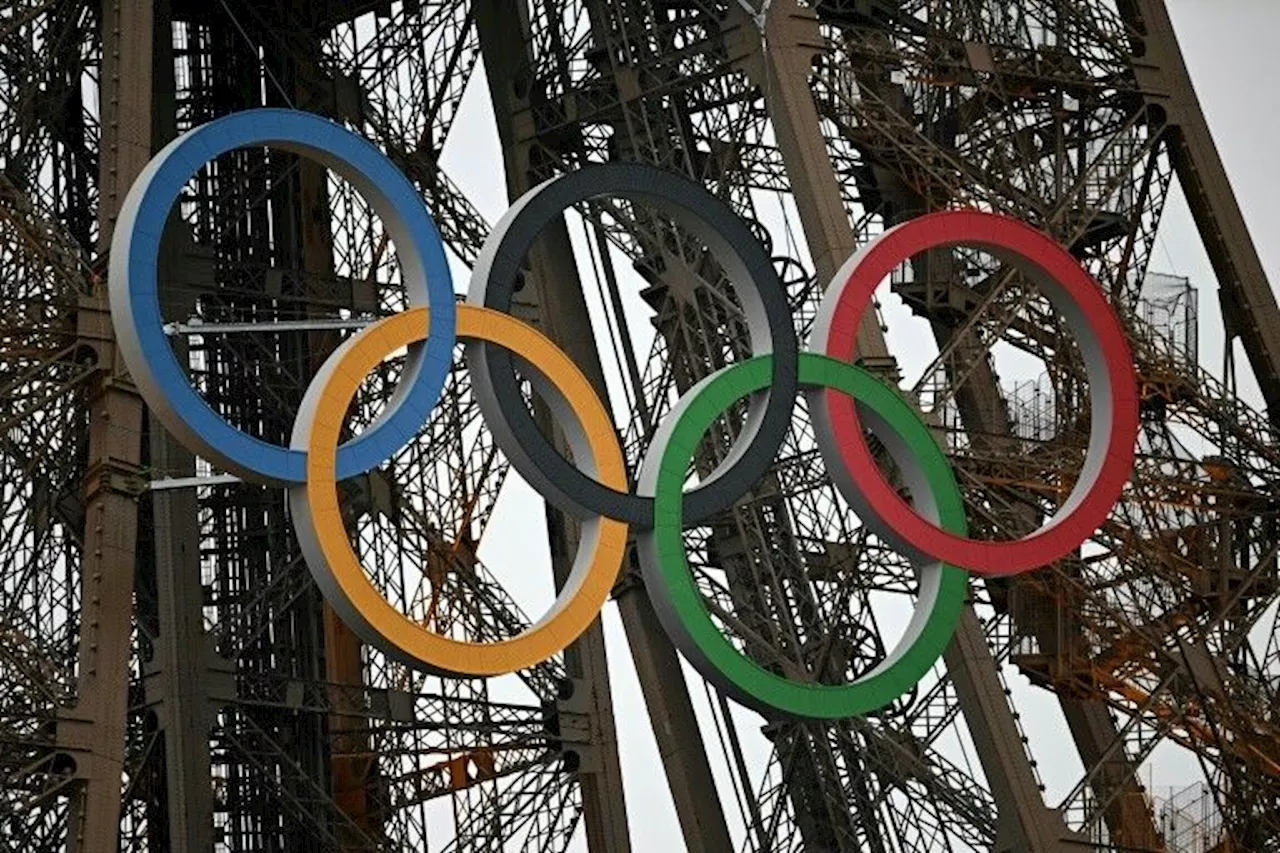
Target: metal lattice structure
{"x": 171, "y": 679}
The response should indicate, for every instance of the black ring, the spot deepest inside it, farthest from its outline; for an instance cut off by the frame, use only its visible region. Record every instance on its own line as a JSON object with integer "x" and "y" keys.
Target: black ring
{"x": 493, "y": 375}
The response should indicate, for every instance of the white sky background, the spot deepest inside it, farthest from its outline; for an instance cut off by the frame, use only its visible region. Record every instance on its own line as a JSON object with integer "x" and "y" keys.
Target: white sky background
{"x": 1229, "y": 46}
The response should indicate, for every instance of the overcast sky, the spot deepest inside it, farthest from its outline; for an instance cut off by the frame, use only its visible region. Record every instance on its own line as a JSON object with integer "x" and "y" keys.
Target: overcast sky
{"x": 1230, "y": 48}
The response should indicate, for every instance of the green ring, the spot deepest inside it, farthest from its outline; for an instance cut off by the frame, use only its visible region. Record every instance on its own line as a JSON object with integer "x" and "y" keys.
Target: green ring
{"x": 680, "y": 605}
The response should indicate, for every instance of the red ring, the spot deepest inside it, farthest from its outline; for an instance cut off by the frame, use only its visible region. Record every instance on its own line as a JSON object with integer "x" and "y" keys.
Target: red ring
{"x": 1017, "y": 242}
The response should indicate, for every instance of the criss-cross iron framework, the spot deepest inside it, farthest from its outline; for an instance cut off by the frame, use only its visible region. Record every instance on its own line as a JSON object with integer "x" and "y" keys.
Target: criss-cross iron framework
{"x": 170, "y": 679}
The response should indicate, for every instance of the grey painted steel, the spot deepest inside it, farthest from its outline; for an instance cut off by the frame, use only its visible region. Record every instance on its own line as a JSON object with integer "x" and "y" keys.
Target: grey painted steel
{"x": 95, "y": 729}
{"x": 816, "y": 189}
{"x": 754, "y": 280}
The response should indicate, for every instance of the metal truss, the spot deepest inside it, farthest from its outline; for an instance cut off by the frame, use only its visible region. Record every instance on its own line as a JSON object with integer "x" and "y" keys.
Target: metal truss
{"x": 204, "y": 645}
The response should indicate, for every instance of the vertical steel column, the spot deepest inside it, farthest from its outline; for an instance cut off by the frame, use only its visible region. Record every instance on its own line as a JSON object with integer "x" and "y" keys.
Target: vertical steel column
{"x": 95, "y": 728}
{"x": 778, "y": 60}
{"x": 1248, "y": 303}
{"x": 501, "y": 25}
{"x": 178, "y": 684}
{"x": 675, "y": 727}
{"x": 779, "y": 57}
{"x": 349, "y": 768}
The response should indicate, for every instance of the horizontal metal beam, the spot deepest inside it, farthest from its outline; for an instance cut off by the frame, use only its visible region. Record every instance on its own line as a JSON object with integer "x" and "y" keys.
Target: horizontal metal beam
{"x": 166, "y": 483}
{"x": 270, "y": 326}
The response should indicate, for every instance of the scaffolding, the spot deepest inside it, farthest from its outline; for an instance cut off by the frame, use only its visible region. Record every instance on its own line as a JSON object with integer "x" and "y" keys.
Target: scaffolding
{"x": 1169, "y": 311}
{"x": 1190, "y": 821}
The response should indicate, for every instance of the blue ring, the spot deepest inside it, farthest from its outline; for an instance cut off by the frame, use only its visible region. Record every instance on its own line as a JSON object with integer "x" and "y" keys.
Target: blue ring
{"x": 135, "y": 297}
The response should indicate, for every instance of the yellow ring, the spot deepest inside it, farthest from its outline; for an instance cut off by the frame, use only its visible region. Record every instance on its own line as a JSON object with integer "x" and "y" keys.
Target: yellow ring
{"x": 337, "y": 568}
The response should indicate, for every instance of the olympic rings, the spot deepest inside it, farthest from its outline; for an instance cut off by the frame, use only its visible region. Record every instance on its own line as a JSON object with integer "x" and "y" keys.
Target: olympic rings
{"x": 337, "y": 569}
{"x": 1113, "y": 392}
{"x": 135, "y": 299}
{"x": 683, "y": 611}
{"x": 594, "y": 487}
{"x": 754, "y": 281}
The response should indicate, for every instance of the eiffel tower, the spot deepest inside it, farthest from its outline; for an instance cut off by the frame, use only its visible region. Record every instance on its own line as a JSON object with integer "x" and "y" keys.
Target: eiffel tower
{"x": 171, "y": 678}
